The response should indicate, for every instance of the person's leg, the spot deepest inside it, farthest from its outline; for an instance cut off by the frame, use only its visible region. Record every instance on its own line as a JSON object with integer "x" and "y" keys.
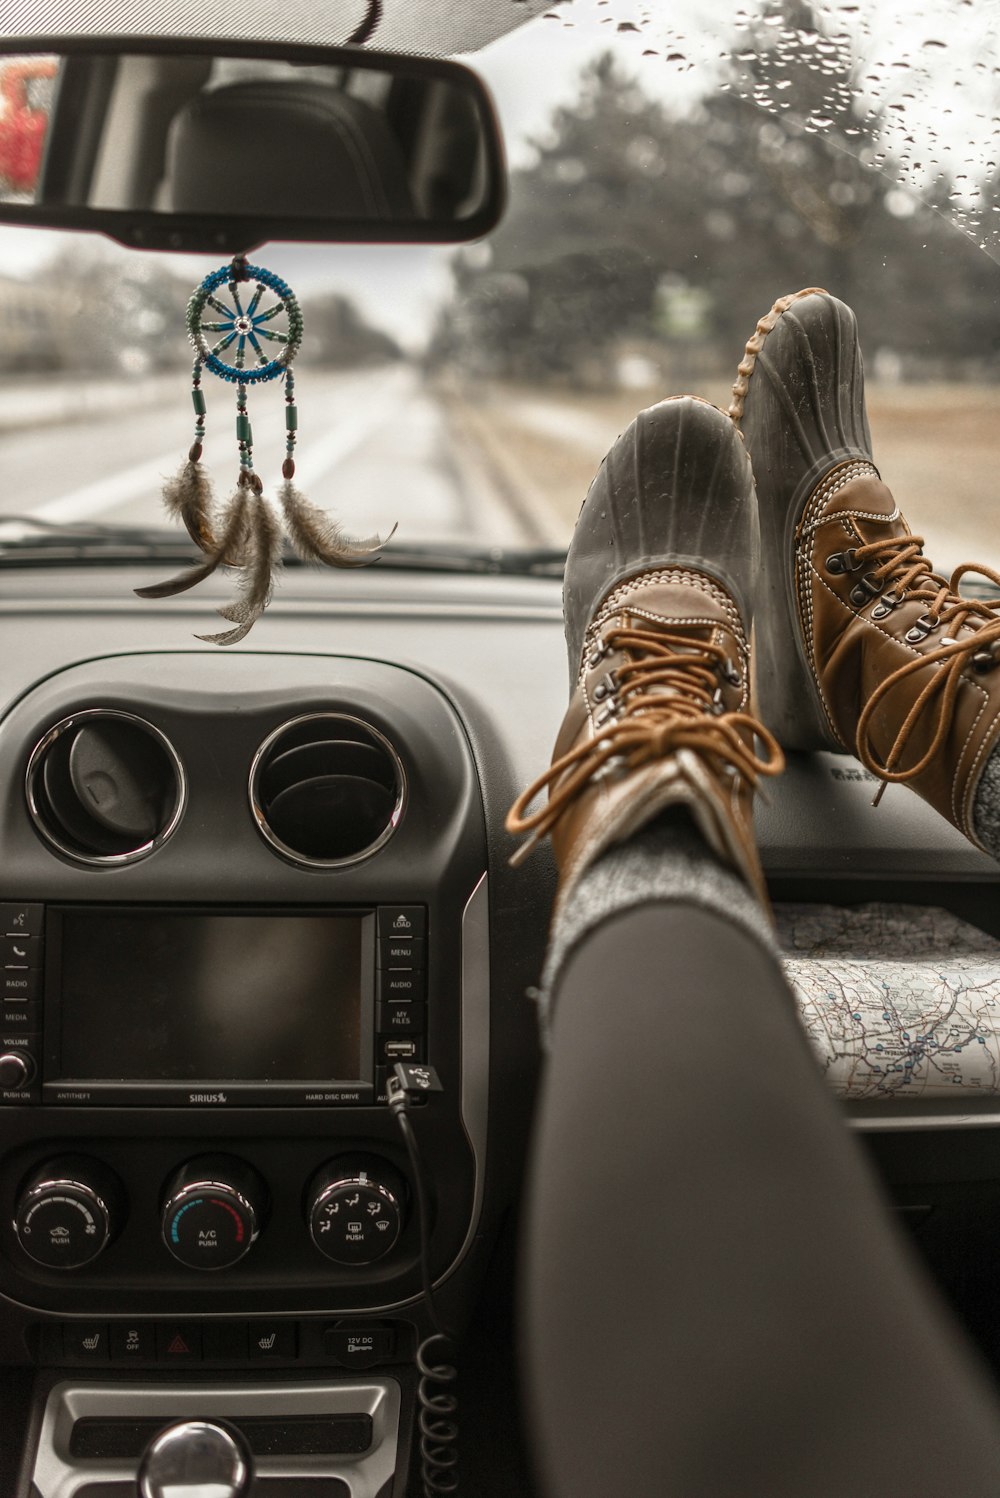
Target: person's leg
{"x": 715, "y": 1299}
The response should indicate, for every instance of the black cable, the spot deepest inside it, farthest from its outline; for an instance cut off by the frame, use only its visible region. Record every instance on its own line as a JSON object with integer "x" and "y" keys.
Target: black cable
{"x": 438, "y": 1404}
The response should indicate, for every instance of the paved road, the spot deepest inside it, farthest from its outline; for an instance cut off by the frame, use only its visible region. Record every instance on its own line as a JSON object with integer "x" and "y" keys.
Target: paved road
{"x": 375, "y": 447}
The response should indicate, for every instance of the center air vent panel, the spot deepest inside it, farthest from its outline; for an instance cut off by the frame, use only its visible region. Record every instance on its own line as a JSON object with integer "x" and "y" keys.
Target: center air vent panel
{"x": 105, "y": 787}
{"x": 327, "y": 789}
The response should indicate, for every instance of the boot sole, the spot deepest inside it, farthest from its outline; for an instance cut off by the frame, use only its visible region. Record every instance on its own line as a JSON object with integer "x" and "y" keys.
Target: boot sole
{"x": 815, "y": 425}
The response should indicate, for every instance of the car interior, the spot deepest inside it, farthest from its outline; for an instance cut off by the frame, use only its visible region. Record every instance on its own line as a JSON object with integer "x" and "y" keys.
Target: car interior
{"x": 269, "y": 1050}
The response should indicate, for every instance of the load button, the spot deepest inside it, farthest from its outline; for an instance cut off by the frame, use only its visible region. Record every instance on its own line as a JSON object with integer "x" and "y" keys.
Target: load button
{"x": 402, "y": 920}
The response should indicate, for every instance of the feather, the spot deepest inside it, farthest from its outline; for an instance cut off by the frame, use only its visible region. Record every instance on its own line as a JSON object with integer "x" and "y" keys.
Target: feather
{"x": 263, "y": 558}
{"x": 317, "y": 537}
{"x": 232, "y": 542}
{"x": 188, "y": 498}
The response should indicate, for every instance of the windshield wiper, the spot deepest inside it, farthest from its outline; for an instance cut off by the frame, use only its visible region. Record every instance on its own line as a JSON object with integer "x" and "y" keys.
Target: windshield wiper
{"x": 28, "y": 540}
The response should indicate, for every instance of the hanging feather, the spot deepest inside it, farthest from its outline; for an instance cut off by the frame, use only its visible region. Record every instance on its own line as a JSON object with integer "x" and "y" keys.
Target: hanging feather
{"x": 248, "y": 535}
{"x": 187, "y": 497}
{"x": 262, "y": 560}
{"x": 317, "y": 537}
{"x": 232, "y": 543}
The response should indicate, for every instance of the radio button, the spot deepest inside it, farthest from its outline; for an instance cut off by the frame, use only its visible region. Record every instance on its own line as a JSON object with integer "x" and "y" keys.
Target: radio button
{"x": 402, "y": 983}
{"x": 402, "y": 1019}
{"x": 20, "y": 952}
{"x": 402, "y": 920}
{"x": 21, "y": 920}
{"x": 19, "y": 985}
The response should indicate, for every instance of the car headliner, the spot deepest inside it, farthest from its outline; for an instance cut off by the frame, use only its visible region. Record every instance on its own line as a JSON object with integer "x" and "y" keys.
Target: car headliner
{"x": 429, "y": 27}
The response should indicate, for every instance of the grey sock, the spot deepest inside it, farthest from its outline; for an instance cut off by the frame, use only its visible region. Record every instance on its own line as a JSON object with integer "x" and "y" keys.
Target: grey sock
{"x": 668, "y": 860}
{"x": 986, "y": 807}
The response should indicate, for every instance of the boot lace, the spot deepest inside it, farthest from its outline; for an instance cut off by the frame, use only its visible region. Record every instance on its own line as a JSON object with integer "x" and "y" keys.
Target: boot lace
{"x": 901, "y": 566}
{"x": 668, "y": 697}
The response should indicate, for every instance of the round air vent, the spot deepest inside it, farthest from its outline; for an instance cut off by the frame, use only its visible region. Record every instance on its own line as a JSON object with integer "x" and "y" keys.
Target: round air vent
{"x": 104, "y": 787}
{"x": 326, "y": 789}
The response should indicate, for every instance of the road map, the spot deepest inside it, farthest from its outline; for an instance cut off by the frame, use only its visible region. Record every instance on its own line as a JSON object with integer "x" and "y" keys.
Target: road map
{"x": 897, "y": 1000}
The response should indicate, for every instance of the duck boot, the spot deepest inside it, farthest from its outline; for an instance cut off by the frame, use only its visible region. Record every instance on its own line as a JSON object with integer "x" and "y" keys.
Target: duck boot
{"x": 658, "y": 583}
{"x": 859, "y": 645}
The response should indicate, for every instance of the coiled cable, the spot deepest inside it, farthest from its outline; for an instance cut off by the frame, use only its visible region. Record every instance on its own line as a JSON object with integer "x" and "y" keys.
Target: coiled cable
{"x": 438, "y": 1402}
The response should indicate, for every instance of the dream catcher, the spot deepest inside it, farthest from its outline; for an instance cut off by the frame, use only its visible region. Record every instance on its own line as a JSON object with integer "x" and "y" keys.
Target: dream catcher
{"x": 246, "y": 328}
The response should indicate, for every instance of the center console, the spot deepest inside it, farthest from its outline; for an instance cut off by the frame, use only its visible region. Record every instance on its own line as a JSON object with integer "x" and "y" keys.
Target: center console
{"x": 234, "y": 892}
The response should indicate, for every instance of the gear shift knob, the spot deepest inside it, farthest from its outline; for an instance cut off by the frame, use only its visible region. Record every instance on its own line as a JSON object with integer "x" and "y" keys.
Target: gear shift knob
{"x": 196, "y": 1459}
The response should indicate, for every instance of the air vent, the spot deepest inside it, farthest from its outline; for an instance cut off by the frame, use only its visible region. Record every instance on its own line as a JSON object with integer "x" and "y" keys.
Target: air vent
{"x": 326, "y": 789}
{"x": 104, "y": 787}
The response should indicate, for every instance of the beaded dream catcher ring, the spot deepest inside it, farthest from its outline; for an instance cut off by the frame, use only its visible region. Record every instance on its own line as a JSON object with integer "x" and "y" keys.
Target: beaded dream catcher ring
{"x": 245, "y": 326}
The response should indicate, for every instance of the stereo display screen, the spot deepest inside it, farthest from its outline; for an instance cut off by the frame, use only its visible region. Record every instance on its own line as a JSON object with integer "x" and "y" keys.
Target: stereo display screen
{"x": 184, "y": 996}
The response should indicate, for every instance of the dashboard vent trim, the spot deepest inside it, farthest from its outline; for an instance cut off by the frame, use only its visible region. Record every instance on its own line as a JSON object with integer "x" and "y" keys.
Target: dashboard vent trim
{"x": 327, "y": 790}
{"x": 85, "y": 831}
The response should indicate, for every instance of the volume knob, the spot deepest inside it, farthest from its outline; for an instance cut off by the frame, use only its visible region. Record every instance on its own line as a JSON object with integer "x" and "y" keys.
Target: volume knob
{"x": 16, "y": 1071}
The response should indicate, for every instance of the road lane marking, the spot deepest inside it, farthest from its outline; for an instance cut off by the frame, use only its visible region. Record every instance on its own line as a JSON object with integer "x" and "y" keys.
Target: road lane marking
{"x": 107, "y": 493}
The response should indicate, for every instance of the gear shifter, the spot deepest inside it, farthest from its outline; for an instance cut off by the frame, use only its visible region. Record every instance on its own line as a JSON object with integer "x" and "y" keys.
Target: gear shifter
{"x": 196, "y": 1459}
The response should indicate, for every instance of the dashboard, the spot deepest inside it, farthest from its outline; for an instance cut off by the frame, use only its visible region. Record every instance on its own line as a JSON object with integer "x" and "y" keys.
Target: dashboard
{"x": 236, "y": 887}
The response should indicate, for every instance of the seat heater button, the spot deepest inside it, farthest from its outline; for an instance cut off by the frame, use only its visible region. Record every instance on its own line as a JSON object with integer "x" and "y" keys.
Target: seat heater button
{"x": 86, "y": 1342}
{"x": 273, "y": 1339}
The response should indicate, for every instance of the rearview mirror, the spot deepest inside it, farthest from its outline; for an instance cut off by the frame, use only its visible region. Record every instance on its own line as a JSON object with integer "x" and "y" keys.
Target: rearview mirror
{"x": 192, "y": 145}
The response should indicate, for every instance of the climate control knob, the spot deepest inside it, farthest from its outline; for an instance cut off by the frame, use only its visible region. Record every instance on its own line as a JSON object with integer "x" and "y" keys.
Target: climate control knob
{"x": 355, "y": 1208}
{"x": 212, "y": 1211}
{"x": 68, "y": 1212}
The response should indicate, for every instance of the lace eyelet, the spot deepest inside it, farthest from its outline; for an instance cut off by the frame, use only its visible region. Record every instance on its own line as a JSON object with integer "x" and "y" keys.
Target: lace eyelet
{"x": 606, "y": 687}
{"x": 886, "y": 604}
{"x": 869, "y": 587}
{"x": 729, "y": 672}
{"x": 597, "y": 655}
{"x": 842, "y": 561}
{"x": 986, "y": 660}
{"x": 924, "y": 626}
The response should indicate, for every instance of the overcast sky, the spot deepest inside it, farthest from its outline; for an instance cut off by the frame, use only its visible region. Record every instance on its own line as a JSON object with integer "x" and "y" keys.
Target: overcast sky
{"x": 932, "y": 66}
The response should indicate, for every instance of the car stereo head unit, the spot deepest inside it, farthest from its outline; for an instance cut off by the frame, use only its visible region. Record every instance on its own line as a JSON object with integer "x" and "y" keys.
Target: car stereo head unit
{"x": 192, "y": 1006}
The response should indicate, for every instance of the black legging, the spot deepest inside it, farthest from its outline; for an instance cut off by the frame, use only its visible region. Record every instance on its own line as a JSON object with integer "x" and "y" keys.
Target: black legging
{"x": 716, "y": 1302}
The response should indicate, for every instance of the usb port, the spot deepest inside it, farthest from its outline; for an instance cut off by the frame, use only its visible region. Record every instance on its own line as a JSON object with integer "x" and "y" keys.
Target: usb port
{"x": 400, "y": 1050}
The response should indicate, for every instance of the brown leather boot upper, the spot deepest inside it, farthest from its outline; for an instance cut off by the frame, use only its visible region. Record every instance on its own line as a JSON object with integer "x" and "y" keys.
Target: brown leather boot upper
{"x": 907, "y": 671}
{"x": 658, "y": 718}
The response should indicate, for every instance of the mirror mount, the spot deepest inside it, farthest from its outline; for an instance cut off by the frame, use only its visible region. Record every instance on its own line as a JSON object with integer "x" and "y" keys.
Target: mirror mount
{"x": 216, "y": 147}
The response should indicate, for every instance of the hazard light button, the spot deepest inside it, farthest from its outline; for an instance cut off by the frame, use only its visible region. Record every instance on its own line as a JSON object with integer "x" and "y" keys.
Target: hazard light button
{"x": 178, "y": 1342}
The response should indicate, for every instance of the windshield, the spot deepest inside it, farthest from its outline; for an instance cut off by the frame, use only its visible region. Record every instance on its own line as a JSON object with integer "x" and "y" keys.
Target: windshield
{"x": 669, "y": 179}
